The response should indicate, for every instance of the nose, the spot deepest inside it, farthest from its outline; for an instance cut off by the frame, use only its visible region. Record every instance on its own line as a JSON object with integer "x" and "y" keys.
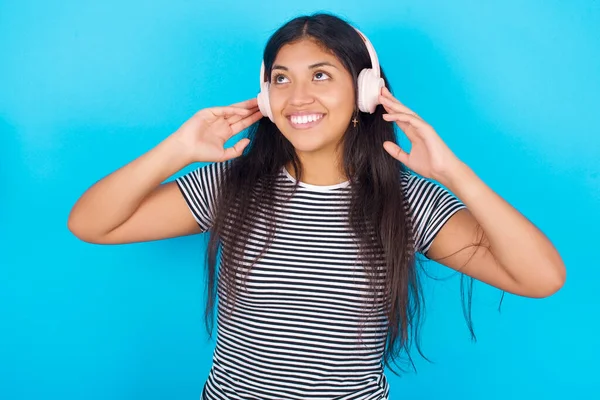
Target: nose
{"x": 300, "y": 94}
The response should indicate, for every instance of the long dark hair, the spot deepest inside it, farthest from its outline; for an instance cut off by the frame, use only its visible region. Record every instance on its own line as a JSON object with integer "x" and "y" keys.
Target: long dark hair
{"x": 378, "y": 212}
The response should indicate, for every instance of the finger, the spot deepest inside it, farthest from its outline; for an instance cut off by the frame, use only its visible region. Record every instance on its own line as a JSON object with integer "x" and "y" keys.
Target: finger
{"x": 410, "y": 119}
{"x": 250, "y": 103}
{"x": 236, "y": 150}
{"x": 232, "y": 119}
{"x": 396, "y": 151}
{"x": 245, "y": 122}
{"x": 385, "y": 92}
{"x": 409, "y": 124}
{"x": 228, "y": 111}
{"x": 394, "y": 110}
{"x": 395, "y": 106}
{"x": 388, "y": 97}
{"x": 403, "y": 121}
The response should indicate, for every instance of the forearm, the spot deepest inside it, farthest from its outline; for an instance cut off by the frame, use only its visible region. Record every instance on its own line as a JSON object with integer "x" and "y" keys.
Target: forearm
{"x": 518, "y": 245}
{"x": 112, "y": 200}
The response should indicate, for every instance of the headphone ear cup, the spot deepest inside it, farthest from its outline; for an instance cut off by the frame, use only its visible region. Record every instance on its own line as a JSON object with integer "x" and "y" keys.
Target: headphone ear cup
{"x": 369, "y": 88}
{"x": 263, "y": 101}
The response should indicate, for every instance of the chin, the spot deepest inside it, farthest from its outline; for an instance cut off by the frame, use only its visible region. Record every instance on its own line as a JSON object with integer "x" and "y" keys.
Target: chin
{"x": 311, "y": 140}
{"x": 305, "y": 145}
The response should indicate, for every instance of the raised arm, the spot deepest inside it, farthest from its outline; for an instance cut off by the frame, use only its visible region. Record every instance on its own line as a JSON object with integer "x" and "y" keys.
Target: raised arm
{"x": 133, "y": 204}
{"x": 513, "y": 255}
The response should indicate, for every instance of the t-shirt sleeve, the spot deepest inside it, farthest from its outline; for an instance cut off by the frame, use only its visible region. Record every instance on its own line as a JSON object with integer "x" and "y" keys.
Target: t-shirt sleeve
{"x": 199, "y": 189}
{"x": 430, "y": 206}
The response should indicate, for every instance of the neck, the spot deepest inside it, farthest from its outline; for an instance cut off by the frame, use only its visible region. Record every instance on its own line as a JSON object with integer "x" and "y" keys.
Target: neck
{"x": 319, "y": 170}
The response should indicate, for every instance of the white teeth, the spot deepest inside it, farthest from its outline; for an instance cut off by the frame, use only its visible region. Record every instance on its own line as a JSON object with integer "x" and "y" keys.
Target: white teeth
{"x": 304, "y": 119}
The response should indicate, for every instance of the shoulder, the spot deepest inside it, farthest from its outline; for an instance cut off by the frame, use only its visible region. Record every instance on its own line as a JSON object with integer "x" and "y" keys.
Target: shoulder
{"x": 422, "y": 194}
{"x": 212, "y": 172}
{"x": 200, "y": 187}
{"x": 430, "y": 205}
{"x": 202, "y": 182}
{"x": 418, "y": 189}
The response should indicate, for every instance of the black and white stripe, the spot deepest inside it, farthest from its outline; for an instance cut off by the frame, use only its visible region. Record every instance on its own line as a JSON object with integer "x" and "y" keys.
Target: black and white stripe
{"x": 299, "y": 330}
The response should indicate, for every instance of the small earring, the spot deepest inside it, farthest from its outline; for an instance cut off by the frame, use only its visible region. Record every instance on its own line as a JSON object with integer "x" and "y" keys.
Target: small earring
{"x": 355, "y": 120}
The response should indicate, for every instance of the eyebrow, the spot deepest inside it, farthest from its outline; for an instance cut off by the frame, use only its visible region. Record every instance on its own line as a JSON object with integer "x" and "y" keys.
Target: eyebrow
{"x": 312, "y": 66}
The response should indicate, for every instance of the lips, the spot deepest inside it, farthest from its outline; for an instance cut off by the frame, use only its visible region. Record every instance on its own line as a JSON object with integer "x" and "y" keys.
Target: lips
{"x": 305, "y": 120}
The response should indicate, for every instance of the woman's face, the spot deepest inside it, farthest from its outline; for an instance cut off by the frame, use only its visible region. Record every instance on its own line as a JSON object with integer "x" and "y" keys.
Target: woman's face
{"x": 311, "y": 97}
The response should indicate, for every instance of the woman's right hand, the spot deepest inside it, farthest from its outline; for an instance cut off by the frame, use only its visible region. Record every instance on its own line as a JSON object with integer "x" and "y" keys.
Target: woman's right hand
{"x": 204, "y": 135}
{"x": 133, "y": 203}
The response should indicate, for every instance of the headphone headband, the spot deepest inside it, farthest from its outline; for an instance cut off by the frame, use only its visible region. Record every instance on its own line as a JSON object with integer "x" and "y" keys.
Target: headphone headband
{"x": 372, "y": 53}
{"x": 370, "y": 49}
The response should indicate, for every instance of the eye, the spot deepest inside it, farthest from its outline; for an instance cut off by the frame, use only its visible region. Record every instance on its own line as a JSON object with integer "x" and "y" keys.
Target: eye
{"x": 278, "y": 79}
{"x": 321, "y": 76}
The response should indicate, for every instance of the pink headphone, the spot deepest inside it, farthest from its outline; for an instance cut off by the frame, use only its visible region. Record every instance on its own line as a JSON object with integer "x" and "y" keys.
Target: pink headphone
{"x": 369, "y": 85}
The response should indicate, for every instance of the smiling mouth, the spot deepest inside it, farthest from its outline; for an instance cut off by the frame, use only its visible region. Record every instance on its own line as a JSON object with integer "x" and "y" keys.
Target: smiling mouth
{"x": 305, "y": 121}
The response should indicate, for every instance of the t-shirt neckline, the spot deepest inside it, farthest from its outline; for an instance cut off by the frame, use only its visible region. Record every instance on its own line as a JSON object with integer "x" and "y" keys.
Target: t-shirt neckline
{"x": 319, "y": 188}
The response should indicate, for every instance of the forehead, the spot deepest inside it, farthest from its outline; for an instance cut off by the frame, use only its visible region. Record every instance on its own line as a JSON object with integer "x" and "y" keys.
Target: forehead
{"x": 304, "y": 52}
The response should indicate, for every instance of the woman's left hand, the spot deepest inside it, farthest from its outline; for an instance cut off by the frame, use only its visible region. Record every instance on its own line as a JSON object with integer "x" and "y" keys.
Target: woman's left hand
{"x": 429, "y": 155}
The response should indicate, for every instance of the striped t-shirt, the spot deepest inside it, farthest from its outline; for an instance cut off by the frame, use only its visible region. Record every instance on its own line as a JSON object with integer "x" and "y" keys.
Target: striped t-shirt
{"x": 294, "y": 333}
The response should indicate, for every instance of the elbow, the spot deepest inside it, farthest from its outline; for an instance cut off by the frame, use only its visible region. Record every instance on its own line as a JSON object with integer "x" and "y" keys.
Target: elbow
{"x": 550, "y": 277}
{"x": 78, "y": 228}
{"x": 559, "y": 281}
{"x": 559, "y": 275}
{"x": 550, "y": 288}
{"x": 73, "y": 226}
{"x": 552, "y": 283}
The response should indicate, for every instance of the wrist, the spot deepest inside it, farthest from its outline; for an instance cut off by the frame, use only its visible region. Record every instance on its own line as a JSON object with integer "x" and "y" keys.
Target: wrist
{"x": 178, "y": 150}
{"x": 456, "y": 176}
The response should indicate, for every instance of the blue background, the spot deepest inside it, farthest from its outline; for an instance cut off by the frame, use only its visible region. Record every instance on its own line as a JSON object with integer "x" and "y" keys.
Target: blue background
{"x": 513, "y": 87}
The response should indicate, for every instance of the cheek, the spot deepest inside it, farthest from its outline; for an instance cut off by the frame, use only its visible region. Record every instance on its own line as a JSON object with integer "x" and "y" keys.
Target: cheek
{"x": 340, "y": 104}
{"x": 340, "y": 96}
{"x": 277, "y": 102}
{"x": 275, "y": 99}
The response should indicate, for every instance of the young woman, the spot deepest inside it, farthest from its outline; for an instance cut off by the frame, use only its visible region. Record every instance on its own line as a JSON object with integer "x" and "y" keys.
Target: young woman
{"x": 316, "y": 220}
